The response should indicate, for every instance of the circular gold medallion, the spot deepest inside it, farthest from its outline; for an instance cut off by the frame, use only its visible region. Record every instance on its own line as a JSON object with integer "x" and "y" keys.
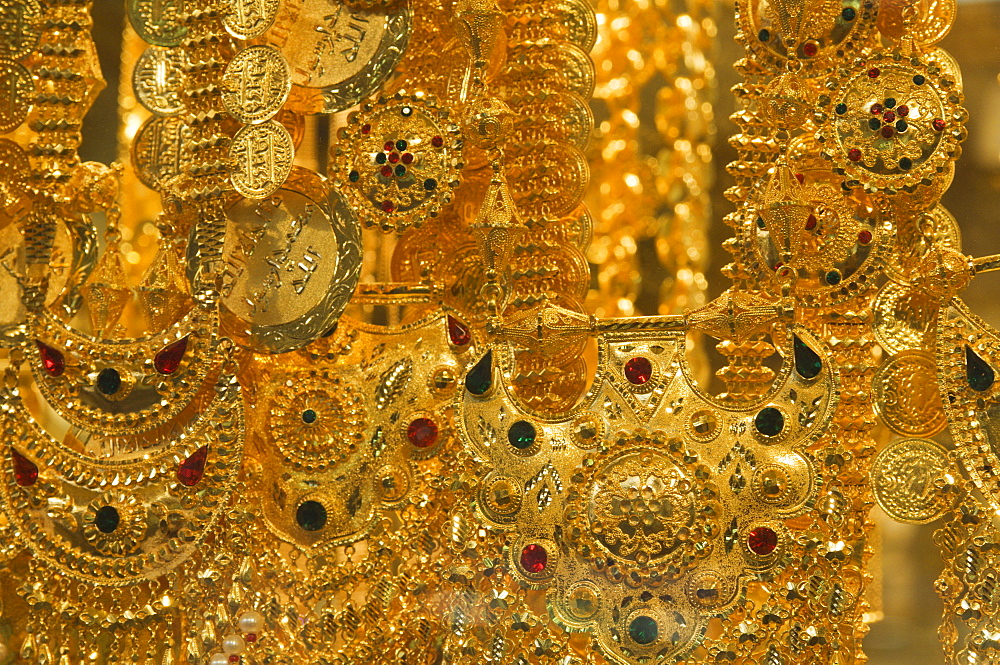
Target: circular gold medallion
{"x": 247, "y": 19}
{"x": 903, "y": 318}
{"x": 14, "y": 167}
{"x": 292, "y": 262}
{"x": 261, "y": 157}
{"x": 157, "y": 22}
{"x": 904, "y": 479}
{"x": 158, "y": 78}
{"x": 159, "y": 151}
{"x": 917, "y": 236}
{"x": 338, "y": 56}
{"x": 19, "y": 19}
{"x": 928, "y": 25}
{"x": 906, "y": 395}
{"x": 255, "y": 84}
{"x": 16, "y": 90}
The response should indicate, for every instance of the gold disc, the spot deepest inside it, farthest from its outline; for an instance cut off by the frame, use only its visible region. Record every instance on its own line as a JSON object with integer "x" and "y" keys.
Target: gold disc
{"x": 261, "y": 157}
{"x": 905, "y": 479}
{"x": 906, "y": 395}
{"x": 255, "y": 84}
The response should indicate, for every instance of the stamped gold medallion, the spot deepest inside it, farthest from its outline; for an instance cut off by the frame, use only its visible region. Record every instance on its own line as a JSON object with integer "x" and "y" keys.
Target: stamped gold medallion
{"x": 906, "y": 395}
{"x": 261, "y": 158}
{"x": 909, "y": 478}
{"x": 255, "y": 84}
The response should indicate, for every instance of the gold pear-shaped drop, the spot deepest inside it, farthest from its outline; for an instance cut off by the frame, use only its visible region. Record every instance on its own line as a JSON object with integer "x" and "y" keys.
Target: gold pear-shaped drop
{"x": 164, "y": 295}
{"x": 107, "y": 291}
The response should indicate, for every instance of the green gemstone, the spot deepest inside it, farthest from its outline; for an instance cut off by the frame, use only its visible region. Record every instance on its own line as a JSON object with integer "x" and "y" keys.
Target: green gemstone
{"x": 354, "y": 176}
{"x": 107, "y": 519}
{"x": 769, "y": 421}
{"x": 841, "y": 108}
{"x": 311, "y": 515}
{"x": 480, "y": 377}
{"x": 833, "y": 277}
{"x": 978, "y": 371}
{"x": 643, "y": 630}
{"x": 521, "y": 434}
{"x": 309, "y": 416}
{"x": 109, "y": 381}
{"x": 807, "y": 362}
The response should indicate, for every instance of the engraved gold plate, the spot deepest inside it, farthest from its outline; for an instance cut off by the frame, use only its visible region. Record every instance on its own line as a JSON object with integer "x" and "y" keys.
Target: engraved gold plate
{"x": 261, "y": 158}
{"x": 906, "y": 395}
{"x": 910, "y": 478}
{"x": 292, "y": 262}
{"x": 255, "y": 84}
{"x": 157, "y": 79}
{"x": 338, "y": 55}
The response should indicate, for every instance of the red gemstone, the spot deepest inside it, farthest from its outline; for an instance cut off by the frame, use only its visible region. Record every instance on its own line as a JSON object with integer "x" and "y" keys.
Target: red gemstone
{"x": 193, "y": 468}
{"x": 854, "y": 154}
{"x": 762, "y": 540}
{"x": 52, "y": 359}
{"x": 876, "y": 109}
{"x": 250, "y": 637}
{"x": 387, "y": 171}
{"x": 938, "y": 124}
{"x": 903, "y": 111}
{"x": 865, "y": 237}
{"x": 889, "y": 116}
{"x": 777, "y": 265}
{"x": 887, "y": 132}
{"x": 458, "y": 332}
{"x": 407, "y": 158}
{"x": 365, "y": 128}
{"x": 638, "y": 370}
{"x": 394, "y": 157}
{"x": 388, "y": 206}
{"x": 422, "y": 432}
{"x": 234, "y": 658}
{"x": 811, "y": 223}
{"x": 800, "y": 177}
{"x": 534, "y": 558}
{"x": 169, "y": 358}
{"x": 25, "y": 471}
{"x": 873, "y": 73}
{"x": 810, "y": 49}
{"x": 437, "y": 141}
{"x": 389, "y": 146}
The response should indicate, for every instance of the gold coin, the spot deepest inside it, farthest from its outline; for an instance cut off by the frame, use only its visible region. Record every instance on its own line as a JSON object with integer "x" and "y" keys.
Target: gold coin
{"x": 907, "y": 397}
{"x": 158, "y": 78}
{"x": 247, "y": 19}
{"x": 932, "y": 23}
{"x": 20, "y": 29}
{"x": 159, "y": 151}
{"x": 157, "y": 22}
{"x": 255, "y": 84}
{"x": 292, "y": 262}
{"x": 904, "y": 476}
{"x": 917, "y": 236}
{"x": 14, "y": 167}
{"x": 903, "y": 318}
{"x": 261, "y": 157}
{"x": 16, "y": 89}
{"x": 338, "y": 56}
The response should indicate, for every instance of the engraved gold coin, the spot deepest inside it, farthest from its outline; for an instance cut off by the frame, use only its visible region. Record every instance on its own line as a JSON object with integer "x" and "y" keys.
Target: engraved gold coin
{"x": 917, "y": 236}
{"x": 930, "y": 24}
{"x": 903, "y": 318}
{"x": 292, "y": 261}
{"x": 157, "y": 21}
{"x": 159, "y": 151}
{"x": 906, "y": 477}
{"x": 16, "y": 90}
{"x": 261, "y": 157}
{"x": 337, "y": 55}
{"x": 158, "y": 78}
{"x": 906, "y": 395}
{"x": 247, "y": 19}
{"x": 19, "y": 27}
{"x": 14, "y": 167}
{"x": 255, "y": 84}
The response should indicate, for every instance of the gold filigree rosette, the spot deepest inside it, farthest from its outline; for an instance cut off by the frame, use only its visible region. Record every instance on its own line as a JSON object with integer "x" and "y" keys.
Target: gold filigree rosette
{"x": 115, "y": 523}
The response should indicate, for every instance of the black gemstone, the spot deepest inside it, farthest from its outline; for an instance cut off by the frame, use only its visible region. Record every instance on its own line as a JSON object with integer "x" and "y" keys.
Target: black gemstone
{"x": 107, "y": 519}
{"x": 380, "y": 158}
{"x": 354, "y": 176}
{"x": 764, "y": 35}
{"x": 401, "y": 145}
{"x": 309, "y": 416}
{"x": 430, "y": 184}
{"x": 849, "y": 13}
{"x": 890, "y": 102}
{"x": 311, "y": 515}
{"x": 841, "y": 108}
{"x": 919, "y": 80}
{"x": 874, "y": 123}
{"x": 400, "y": 170}
{"x": 521, "y": 434}
{"x": 480, "y": 377}
{"x": 906, "y": 163}
{"x": 807, "y": 362}
{"x": 109, "y": 381}
{"x": 760, "y": 223}
{"x": 833, "y": 277}
{"x": 901, "y": 125}
{"x": 643, "y": 630}
{"x": 769, "y": 421}
{"x": 978, "y": 371}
